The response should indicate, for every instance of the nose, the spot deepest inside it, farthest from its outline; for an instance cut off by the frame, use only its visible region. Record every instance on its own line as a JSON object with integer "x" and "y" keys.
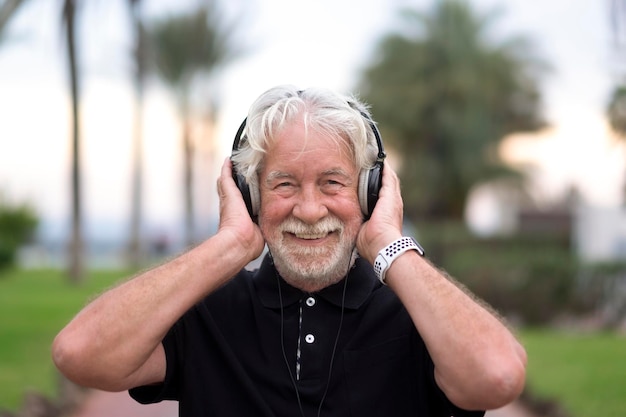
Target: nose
{"x": 310, "y": 207}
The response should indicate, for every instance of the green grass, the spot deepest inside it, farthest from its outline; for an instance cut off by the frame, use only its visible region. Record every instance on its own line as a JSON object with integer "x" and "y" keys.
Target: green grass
{"x": 585, "y": 373}
{"x": 34, "y": 306}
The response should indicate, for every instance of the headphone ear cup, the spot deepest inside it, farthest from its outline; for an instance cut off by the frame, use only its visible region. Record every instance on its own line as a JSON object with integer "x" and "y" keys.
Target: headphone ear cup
{"x": 362, "y": 191}
{"x": 370, "y": 182}
{"x": 255, "y": 201}
{"x": 245, "y": 192}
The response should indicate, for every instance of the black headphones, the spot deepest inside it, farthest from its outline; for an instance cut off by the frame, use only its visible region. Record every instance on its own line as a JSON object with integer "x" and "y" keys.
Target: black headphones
{"x": 370, "y": 180}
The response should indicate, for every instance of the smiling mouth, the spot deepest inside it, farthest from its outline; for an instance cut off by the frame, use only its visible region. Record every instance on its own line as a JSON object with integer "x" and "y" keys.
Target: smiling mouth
{"x": 318, "y": 233}
{"x": 308, "y": 236}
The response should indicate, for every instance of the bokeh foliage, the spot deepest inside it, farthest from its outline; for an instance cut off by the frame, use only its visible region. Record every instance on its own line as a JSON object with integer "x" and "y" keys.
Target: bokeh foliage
{"x": 17, "y": 226}
{"x": 445, "y": 94}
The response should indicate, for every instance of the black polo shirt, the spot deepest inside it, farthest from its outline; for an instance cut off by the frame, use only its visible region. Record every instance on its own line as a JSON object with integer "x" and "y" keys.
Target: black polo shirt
{"x": 250, "y": 349}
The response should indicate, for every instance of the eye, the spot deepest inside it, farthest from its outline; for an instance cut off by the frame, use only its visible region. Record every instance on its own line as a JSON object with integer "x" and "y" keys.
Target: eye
{"x": 332, "y": 185}
{"x": 284, "y": 187}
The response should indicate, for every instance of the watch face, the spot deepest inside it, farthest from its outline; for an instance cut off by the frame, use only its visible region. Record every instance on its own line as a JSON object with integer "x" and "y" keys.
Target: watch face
{"x": 418, "y": 247}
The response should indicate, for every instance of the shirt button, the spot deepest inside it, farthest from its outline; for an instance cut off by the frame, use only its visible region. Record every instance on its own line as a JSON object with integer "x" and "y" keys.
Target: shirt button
{"x": 310, "y": 301}
{"x": 309, "y": 338}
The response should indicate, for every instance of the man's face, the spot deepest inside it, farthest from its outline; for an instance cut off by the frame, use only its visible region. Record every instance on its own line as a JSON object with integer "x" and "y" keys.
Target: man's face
{"x": 310, "y": 215}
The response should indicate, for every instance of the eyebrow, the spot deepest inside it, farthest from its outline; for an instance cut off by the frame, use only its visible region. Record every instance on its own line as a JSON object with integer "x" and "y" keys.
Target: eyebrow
{"x": 278, "y": 175}
{"x": 336, "y": 171}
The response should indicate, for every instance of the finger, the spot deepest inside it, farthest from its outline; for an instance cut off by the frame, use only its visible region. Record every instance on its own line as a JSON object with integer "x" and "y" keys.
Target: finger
{"x": 389, "y": 208}
{"x": 390, "y": 177}
{"x": 225, "y": 176}
{"x": 230, "y": 198}
{"x": 227, "y": 169}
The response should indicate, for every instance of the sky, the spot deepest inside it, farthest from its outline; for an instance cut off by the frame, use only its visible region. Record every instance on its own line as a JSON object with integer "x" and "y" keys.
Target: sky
{"x": 302, "y": 42}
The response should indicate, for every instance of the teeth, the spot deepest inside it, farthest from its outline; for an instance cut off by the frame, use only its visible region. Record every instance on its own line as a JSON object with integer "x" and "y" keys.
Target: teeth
{"x": 311, "y": 237}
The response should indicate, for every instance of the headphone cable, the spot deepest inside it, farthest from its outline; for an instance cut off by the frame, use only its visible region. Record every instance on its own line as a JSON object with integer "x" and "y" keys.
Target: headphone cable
{"x": 282, "y": 345}
{"x": 332, "y": 357}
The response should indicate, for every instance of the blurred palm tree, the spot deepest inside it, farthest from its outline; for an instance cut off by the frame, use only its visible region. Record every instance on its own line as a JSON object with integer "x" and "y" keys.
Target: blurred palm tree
{"x": 76, "y": 267}
{"x": 187, "y": 46}
{"x": 139, "y": 53}
{"x": 616, "y": 108}
{"x": 7, "y": 11}
{"x": 445, "y": 94}
{"x": 76, "y": 244}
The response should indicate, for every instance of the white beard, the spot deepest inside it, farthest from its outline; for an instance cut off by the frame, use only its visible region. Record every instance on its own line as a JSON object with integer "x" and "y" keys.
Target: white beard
{"x": 312, "y": 268}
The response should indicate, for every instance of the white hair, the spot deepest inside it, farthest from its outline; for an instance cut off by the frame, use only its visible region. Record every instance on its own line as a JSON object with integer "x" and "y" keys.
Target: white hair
{"x": 321, "y": 110}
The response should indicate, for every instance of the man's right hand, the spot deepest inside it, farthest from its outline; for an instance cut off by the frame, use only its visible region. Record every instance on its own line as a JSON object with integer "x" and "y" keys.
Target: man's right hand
{"x": 234, "y": 216}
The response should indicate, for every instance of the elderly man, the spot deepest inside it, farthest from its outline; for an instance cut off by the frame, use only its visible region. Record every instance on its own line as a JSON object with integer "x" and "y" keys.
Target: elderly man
{"x": 344, "y": 317}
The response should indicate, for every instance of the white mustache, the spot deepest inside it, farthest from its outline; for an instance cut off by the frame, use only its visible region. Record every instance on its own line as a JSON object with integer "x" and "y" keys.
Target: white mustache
{"x": 308, "y": 231}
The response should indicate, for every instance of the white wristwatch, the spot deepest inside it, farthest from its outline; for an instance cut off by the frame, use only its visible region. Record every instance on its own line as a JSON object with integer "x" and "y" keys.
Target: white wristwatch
{"x": 389, "y": 253}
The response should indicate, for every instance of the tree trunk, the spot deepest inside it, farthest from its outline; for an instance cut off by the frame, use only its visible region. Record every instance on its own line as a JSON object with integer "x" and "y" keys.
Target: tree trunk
{"x": 134, "y": 244}
{"x": 188, "y": 179}
{"x": 76, "y": 248}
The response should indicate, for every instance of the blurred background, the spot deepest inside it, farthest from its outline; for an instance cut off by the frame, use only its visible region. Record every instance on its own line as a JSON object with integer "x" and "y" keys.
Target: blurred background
{"x": 505, "y": 120}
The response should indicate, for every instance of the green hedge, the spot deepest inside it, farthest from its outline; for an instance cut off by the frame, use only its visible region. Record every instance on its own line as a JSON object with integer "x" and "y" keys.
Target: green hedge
{"x": 17, "y": 226}
{"x": 529, "y": 277}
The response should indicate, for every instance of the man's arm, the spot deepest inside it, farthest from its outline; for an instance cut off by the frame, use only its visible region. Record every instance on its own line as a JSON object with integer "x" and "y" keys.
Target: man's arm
{"x": 114, "y": 343}
{"x": 478, "y": 362}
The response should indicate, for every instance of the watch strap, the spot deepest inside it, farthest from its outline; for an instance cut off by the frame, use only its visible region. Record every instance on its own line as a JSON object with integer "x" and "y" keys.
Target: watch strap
{"x": 391, "y": 252}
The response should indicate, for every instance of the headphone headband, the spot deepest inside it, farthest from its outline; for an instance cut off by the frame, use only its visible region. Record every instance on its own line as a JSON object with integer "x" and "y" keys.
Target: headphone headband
{"x": 379, "y": 143}
{"x": 238, "y": 135}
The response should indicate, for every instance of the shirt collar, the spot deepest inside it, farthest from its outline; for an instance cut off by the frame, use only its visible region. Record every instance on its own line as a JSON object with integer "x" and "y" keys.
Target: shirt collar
{"x": 361, "y": 281}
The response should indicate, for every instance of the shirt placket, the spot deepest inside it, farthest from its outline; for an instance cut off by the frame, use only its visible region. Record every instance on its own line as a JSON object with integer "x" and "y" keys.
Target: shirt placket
{"x": 311, "y": 340}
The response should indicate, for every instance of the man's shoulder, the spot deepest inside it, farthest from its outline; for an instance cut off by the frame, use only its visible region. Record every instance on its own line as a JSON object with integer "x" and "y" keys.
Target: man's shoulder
{"x": 243, "y": 287}
{"x": 240, "y": 284}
